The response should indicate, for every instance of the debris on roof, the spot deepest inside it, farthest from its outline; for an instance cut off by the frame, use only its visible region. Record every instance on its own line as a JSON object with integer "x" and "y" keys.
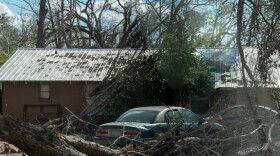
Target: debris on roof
{"x": 64, "y": 64}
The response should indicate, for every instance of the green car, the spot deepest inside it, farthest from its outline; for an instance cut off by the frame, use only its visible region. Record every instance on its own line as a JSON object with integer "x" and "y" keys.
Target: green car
{"x": 144, "y": 123}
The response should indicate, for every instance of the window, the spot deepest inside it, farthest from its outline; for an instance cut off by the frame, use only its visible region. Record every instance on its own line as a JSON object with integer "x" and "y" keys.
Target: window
{"x": 190, "y": 117}
{"x": 44, "y": 91}
{"x": 173, "y": 116}
{"x": 265, "y": 113}
{"x": 233, "y": 114}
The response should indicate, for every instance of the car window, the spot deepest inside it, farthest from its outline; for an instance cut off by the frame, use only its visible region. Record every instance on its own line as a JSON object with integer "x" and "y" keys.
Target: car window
{"x": 142, "y": 116}
{"x": 262, "y": 112}
{"x": 173, "y": 116}
{"x": 233, "y": 113}
{"x": 190, "y": 117}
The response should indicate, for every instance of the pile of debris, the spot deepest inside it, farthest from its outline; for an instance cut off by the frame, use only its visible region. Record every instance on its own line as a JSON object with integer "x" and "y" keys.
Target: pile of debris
{"x": 46, "y": 140}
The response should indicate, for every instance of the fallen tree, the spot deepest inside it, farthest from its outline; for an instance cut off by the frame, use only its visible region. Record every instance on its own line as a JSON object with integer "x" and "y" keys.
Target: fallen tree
{"x": 38, "y": 140}
{"x": 41, "y": 140}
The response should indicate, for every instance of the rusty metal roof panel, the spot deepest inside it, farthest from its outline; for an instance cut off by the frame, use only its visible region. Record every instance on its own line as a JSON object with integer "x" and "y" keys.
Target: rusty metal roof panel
{"x": 64, "y": 64}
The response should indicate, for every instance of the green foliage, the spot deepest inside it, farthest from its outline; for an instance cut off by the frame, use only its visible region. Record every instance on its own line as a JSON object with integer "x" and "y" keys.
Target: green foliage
{"x": 219, "y": 25}
{"x": 175, "y": 60}
{"x": 170, "y": 77}
{"x": 8, "y": 34}
{"x": 16, "y": 33}
{"x": 180, "y": 67}
{"x": 3, "y": 57}
{"x": 142, "y": 88}
{"x": 27, "y": 32}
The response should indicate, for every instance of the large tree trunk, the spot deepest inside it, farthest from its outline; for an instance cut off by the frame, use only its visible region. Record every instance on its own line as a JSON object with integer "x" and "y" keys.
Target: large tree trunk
{"x": 41, "y": 25}
{"x": 239, "y": 45}
{"x": 36, "y": 140}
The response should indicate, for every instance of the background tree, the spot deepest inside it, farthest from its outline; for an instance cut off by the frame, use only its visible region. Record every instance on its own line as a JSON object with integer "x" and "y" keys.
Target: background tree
{"x": 8, "y": 34}
{"x": 15, "y": 32}
{"x": 41, "y": 24}
{"x": 184, "y": 73}
{"x": 109, "y": 23}
{"x": 261, "y": 30}
{"x": 258, "y": 28}
{"x": 222, "y": 24}
{"x": 174, "y": 73}
{"x": 27, "y": 31}
{"x": 3, "y": 57}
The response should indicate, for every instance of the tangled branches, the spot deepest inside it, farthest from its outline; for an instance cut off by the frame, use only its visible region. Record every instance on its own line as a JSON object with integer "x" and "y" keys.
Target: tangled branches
{"x": 240, "y": 140}
{"x": 226, "y": 142}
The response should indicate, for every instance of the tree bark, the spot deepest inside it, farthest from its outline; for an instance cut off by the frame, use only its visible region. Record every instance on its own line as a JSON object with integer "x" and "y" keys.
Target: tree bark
{"x": 41, "y": 25}
{"x": 239, "y": 45}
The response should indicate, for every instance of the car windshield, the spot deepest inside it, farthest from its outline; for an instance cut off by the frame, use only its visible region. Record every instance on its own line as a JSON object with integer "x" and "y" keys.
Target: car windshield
{"x": 142, "y": 116}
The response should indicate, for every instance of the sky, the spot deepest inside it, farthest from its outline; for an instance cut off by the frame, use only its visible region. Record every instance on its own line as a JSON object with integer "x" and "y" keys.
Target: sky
{"x": 12, "y": 7}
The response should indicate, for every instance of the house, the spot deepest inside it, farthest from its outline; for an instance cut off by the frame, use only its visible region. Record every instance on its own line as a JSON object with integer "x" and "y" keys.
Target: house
{"x": 225, "y": 67}
{"x": 41, "y": 82}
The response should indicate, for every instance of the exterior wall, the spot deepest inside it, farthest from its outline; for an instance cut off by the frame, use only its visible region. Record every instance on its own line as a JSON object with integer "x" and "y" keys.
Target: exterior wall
{"x": 62, "y": 94}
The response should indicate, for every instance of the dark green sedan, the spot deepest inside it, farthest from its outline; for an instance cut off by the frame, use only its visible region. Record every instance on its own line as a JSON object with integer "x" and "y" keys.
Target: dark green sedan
{"x": 144, "y": 123}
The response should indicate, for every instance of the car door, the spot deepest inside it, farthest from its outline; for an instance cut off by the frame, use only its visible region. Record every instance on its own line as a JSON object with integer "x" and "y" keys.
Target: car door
{"x": 172, "y": 118}
{"x": 190, "y": 121}
{"x": 181, "y": 120}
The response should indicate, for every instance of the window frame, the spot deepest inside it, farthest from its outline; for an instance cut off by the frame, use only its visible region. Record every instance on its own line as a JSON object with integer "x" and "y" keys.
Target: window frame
{"x": 42, "y": 90}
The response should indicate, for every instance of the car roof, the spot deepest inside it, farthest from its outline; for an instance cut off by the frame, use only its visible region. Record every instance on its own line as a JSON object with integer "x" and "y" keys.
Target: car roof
{"x": 237, "y": 106}
{"x": 155, "y": 108}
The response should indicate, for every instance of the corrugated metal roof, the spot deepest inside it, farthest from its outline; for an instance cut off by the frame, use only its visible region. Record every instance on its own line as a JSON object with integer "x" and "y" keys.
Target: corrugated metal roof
{"x": 64, "y": 64}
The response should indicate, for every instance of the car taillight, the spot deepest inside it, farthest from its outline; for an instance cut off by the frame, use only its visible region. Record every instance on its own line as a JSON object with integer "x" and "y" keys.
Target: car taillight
{"x": 131, "y": 134}
{"x": 102, "y": 132}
